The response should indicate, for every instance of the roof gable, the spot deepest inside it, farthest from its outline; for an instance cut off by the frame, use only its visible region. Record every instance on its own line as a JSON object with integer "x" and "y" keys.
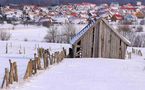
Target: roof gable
{"x": 79, "y": 35}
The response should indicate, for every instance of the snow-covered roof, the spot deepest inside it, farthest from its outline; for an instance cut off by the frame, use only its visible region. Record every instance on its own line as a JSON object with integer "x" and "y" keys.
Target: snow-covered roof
{"x": 84, "y": 30}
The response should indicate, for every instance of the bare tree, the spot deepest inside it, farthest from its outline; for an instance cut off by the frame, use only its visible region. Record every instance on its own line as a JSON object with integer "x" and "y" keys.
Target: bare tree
{"x": 4, "y": 35}
{"x": 136, "y": 38}
{"x": 69, "y": 31}
{"x": 51, "y": 35}
{"x": 139, "y": 29}
{"x": 127, "y": 33}
{"x": 124, "y": 28}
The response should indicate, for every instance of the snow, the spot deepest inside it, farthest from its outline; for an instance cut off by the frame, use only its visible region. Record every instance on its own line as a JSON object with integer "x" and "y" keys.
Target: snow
{"x": 71, "y": 74}
{"x": 89, "y": 74}
{"x": 22, "y": 59}
{"x": 79, "y": 34}
{"x": 32, "y": 33}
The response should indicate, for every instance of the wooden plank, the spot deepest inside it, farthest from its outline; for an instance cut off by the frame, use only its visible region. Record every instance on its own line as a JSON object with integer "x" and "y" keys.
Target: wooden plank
{"x": 83, "y": 47}
{"x": 96, "y": 41}
{"x": 122, "y": 49}
{"x": 90, "y": 42}
{"x": 100, "y": 44}
{"x": 113, "y": 41}
{"x": 108, "y": 41}
{"x": 104, "y": 40}
{"x": 117, "y": 47}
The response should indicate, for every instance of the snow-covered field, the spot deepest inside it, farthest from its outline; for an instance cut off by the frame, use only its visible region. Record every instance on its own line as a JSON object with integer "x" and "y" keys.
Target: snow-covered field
{"x": 89, "y": 74}
{"x": 22, "y": 59}
{"x": 71, "y": 74}
{"x": 16, "y": 44}
{"x": 32, "y": 33}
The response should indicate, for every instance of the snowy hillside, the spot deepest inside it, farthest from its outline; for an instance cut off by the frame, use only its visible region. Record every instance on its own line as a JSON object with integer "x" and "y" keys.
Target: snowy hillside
{"x": 89, "y": 74}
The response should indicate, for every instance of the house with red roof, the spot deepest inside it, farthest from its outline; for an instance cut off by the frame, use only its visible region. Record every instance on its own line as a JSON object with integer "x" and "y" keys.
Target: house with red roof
{"x": 129, "y": 8}
{"x": 116, "y": 17}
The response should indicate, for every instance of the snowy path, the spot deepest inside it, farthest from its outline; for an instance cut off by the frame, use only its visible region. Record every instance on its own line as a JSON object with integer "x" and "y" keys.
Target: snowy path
{"x": 90, "y": 74}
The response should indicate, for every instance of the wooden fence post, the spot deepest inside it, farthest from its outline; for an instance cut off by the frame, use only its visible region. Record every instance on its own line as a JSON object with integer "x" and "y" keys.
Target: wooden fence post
{"x": 6, "y": 48}
{"x": 28, "y": 70}
{"x": 51, "y": 59}
{"x": 133, "y": 50}
{"x": 34, "y": 67}
{"x": 24, "y": 51}
{"x": 15, "y": 72}
{"x": 3, "y": 82}
{"x": 6, "y": 78}
{"x": 11, "y": 77}
{"x": 45, "y": 60}
{"x": 140, "y": 53}
{"x": 38, "y": 62}
{"x": 64, "y": 50}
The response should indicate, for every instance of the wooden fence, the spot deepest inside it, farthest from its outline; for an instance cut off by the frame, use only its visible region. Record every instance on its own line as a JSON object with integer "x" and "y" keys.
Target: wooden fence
{"x": 10, "y": 76}
{"x": 134, "y": 51}
{"x": 33, "y": 66}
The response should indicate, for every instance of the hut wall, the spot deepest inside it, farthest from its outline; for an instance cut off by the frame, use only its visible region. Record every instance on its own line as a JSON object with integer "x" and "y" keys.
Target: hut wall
{"x": 101, "y": 41}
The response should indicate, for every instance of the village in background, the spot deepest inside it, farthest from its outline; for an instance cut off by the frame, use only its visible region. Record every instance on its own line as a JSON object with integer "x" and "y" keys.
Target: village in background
{"x": 36, "y": 41}
{"x": 127, "y": 19}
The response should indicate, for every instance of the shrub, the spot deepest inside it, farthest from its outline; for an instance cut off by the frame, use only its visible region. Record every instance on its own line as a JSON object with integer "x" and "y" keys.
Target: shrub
{"x": 139, "y": 29}
{"x": 4, "y": 35}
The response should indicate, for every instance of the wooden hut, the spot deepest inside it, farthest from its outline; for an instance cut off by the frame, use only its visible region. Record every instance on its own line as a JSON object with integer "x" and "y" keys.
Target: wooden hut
{"x": 99, "y": 39}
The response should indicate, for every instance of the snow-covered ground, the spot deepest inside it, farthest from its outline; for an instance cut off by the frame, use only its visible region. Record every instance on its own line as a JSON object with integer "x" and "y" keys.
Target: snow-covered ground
{"x": 32, "y": 33}
{"x": 35, "y": 36}
{"x": 89, "y": 74}
{"x": 71, "y": 74}
{"x": 23, "y": 58}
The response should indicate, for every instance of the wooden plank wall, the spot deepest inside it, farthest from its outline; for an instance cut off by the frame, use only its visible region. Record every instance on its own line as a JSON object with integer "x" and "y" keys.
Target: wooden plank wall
{"x": 111, "y": 46}
{"x": 86, "y": 44}
{"x": 105, "y": 42}
{"x": 96, "y": 40}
